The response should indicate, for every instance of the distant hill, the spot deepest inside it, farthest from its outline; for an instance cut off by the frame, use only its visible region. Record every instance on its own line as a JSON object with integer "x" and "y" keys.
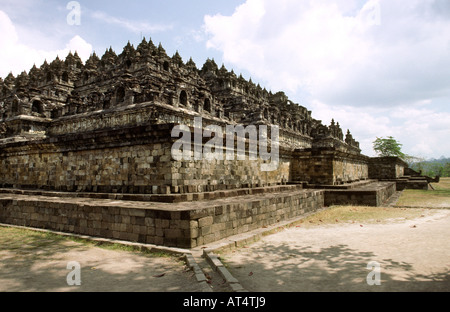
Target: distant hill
{"x": 441, "y": 160}
{"x": 433, "y": 167}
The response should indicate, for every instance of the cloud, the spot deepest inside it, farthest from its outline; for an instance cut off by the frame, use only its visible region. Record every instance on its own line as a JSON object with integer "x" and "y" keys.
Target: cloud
{"x": 133, "y": 26}
{"x": 364, "y": 124}
{"x": 382, "y": 53}
{"x": 16, "y": 57}
{"x": 422, "y": 130}
{"x": 83, "y": 48}
{"x": 379, "y": 67}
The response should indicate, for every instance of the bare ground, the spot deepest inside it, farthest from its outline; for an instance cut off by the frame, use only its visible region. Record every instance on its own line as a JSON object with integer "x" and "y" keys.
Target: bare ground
{"x": 41, "y": 265}
{"x": 414, "y": 255}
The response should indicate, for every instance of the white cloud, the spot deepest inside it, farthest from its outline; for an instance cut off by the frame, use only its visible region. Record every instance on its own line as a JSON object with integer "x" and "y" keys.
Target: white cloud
{"x": 133, "y": 26}
{"x": 16, "y": 57}
{"x": 83, "y": 48}
{"x": 377, "y": 67}
{"x": 423, "y": 131}
{"x": 364, "y": 124}
{"x": 384, "y": 53}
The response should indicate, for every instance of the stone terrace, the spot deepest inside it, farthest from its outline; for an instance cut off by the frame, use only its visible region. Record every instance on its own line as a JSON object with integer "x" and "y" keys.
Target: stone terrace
{"x": 186, "y": 224}
{"x": 368, "y": 194}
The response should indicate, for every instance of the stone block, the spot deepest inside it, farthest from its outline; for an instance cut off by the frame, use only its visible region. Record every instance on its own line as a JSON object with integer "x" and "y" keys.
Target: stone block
{"x": 137, "y": 212}
{"x": 207, "y": 239}
{"x": 149, "y": 222}
{"x": 184, "y": 224}
{"x": 159, "y": 232}
{"x": 213, "y": 261}
{"x": 193, "y": 232}
{"x": 226, "y": 275}
{"x": 158, "y": 240}
{"x": 217, "y": 227}
{"x": 236, "y": 287}
{"x": 139, "y": 220}
{"x": 205, "y": 230}
{"x": 172, "y": 233}
{"x": 205, "y": 221}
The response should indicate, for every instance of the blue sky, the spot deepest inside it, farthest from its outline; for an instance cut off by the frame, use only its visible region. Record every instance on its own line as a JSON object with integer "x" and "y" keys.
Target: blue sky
{"x": 42, "y": 25}
{"x": 379, "y": 67}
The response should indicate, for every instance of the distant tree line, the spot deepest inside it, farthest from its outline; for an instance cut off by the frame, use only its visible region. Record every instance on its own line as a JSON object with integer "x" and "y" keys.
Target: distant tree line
{"x": 435, "y": 167}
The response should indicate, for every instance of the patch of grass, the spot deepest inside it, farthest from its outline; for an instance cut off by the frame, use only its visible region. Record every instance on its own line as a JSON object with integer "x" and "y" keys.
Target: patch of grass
{"x": 43, "y": 243}
{"x": 422, "y": 198}
{"x": 443, "y": 185}
{"x": 437, "y": 198}
{"x": 29, "y": 245}
{"x": 15, "y": 238}
{"x": 119, "y": 247}
{"x": 360, "y": 214}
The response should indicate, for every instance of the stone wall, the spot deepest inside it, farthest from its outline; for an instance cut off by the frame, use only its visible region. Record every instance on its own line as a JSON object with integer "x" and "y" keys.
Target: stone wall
{"x": 240, "y": 216}
{"x": 183, "y": 225}
{"x": 386, "y": 168}
{"x": 420, "y": 183}
{"x": 81, "y": 127}
{"x": 312, "y": 169}
{"x": 92, "y": 161}
{"x": 136, "y": 160}
{"x": 212, "y": 175}
{"x": 376, "y": 195}
{"x": 346, "y": 169}
{"x": 328, "y": 167}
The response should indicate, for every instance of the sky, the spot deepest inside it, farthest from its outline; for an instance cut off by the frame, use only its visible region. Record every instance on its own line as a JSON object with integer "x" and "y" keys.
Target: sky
{"x": 378, "y": 67}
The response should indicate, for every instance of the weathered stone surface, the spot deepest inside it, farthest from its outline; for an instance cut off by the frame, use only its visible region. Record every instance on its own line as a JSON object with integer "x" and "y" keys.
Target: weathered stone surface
{"x": 77, "y": 216}
{"x": 386, "y": 168}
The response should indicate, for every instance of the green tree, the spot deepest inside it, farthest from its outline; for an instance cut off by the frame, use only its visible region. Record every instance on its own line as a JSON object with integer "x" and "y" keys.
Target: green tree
{"x": 389, "y": 147}
{"x": 434, "y": 169}
{"x": 446, "y": 171}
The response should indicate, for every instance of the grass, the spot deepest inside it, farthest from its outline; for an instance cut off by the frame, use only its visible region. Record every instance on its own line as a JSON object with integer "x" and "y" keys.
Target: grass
{"x": 437, "y": 198}
{"x": 424, "y": 200}
{"x": 443, "y": 185}
{"x": 360, "y": 214}
{"x": 30, "y": 245}
{"x": 16, "y": 238}
{"x": 29, "y": 242}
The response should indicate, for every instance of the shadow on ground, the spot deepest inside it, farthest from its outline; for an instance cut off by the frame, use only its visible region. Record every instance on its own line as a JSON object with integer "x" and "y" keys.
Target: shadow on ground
{"x": 34, "y": 262}
{"x": 335, "y": 268}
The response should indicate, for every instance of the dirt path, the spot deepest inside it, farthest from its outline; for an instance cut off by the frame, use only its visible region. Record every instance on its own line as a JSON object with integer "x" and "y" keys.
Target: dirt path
{"x": 44, "y": 268}
{"x": 414, "y": 255}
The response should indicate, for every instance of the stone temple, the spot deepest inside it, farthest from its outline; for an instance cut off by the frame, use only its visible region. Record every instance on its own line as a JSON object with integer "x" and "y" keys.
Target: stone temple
{"x": 86, "y": 148}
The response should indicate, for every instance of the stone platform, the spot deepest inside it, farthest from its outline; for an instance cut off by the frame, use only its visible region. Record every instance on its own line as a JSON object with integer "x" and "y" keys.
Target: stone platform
{"x": 412, "y": 183}
{"x": 164, "y": 198}
{"x": 184, "y": 224}
{"x": 368, "y": 192}
{"x": 374, "y": 193}
{"x": 343, "y": 186}
{"x": 179, "y": 220}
